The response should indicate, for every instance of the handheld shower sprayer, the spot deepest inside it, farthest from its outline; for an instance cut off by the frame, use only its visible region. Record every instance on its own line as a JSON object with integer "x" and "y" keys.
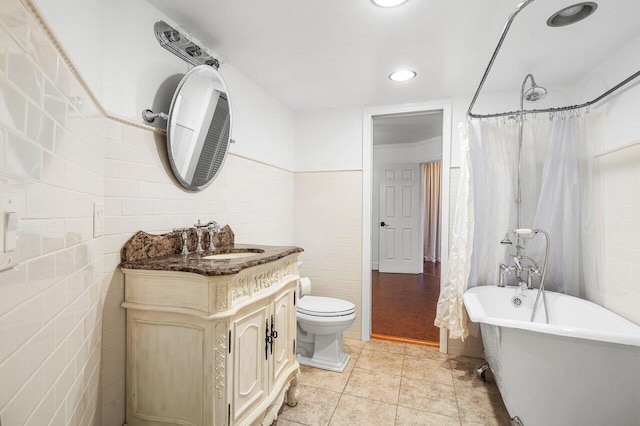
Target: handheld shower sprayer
{"x": 506, "y": 241}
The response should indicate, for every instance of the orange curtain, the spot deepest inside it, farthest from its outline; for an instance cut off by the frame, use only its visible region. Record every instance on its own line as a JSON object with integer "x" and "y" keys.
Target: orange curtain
{"x": 432, "y": 216}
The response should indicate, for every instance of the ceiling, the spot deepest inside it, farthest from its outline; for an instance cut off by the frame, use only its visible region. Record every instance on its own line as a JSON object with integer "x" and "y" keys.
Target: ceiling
{"x": 407, "y": 128}
{"x": 338, "y": 53}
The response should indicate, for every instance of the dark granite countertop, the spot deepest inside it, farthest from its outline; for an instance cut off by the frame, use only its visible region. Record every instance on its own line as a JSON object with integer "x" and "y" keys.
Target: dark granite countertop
{"x": 196, "y": 263}
{"x": 159, "y": 253}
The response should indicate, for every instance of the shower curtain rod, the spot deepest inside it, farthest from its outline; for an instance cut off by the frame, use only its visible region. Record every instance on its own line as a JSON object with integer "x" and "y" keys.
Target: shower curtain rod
{"x": 533, "y": 111}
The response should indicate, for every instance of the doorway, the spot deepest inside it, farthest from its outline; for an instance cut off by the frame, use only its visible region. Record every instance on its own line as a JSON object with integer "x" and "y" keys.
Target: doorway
{"x": 405, "y": 268}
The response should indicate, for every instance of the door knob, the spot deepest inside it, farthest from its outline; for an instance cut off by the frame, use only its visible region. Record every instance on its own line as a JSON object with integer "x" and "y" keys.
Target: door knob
{"x": 383, "y": 224}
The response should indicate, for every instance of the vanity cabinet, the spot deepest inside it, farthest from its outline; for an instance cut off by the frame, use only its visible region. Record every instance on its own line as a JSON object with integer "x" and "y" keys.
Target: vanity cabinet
{"x": 211, "y": 350}
{"x": 264, "y": 335}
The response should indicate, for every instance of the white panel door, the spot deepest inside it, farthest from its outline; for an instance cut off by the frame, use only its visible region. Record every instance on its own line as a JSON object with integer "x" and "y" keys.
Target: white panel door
{"x": 399, "y": 222}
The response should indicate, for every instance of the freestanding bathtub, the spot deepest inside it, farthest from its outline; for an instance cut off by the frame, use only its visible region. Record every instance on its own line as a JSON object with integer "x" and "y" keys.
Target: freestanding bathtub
{"x": 583, "y": 368}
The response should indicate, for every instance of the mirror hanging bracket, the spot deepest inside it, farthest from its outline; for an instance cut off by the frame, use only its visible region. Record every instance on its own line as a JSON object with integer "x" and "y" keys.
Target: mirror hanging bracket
{"x": 180, "y": 45}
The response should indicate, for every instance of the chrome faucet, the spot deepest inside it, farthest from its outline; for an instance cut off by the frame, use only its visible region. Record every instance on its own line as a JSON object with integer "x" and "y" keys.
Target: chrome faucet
{"x": 185, "y": 250}
{"x": 533, "y": 270}
{"x": 504, "y": 270}
{"x": 214, "y": 228}
{"x": 198, "y": 229}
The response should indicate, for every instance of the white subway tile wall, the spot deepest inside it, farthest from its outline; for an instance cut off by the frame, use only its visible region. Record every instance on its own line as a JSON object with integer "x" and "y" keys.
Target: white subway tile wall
{"x": 50, "y": 304}
{"x": 328, "y": 225}
{"x": 62, "y": 331}
{"x": 618, "y": 174}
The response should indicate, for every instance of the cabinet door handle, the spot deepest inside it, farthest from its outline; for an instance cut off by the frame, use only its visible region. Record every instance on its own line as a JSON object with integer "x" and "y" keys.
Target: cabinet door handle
{"x": 267, "y": 340}
{"x": 272, "y": 335}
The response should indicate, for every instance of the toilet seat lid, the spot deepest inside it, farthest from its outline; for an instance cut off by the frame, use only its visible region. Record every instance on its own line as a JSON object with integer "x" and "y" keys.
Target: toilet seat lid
{"x": 324, "y": 306}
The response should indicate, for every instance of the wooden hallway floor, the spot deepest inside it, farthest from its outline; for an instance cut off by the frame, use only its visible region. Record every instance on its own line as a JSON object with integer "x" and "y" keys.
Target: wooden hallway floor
{"x": 404, "y": 305}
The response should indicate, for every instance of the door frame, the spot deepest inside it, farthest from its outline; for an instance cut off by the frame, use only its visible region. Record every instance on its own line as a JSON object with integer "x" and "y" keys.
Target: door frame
{"x": 445, "y": 105}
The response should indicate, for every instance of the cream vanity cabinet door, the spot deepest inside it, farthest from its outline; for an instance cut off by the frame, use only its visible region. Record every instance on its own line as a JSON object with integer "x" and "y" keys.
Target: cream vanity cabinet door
{"x": 263, "y": 337}
{"x": 169, "y": 380}
{"x": 284, "y": 323}
{"x": 249, "y": 364}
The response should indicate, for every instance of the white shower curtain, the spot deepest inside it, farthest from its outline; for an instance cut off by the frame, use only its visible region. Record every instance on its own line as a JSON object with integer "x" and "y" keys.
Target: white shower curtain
{"x": 556, "y": 187}
{"x": 433, "y": 206}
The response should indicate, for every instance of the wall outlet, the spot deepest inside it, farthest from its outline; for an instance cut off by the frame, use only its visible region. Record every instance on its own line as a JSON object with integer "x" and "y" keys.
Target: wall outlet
{"x": 98, "y": 219}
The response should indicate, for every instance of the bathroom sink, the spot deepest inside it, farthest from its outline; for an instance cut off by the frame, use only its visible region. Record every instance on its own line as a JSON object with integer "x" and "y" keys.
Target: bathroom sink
{"x": 233, "y": 255}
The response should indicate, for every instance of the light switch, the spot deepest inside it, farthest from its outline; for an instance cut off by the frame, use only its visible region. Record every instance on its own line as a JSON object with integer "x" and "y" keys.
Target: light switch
{"x": 11, "y": 220}
{"x": 11, "y": 208}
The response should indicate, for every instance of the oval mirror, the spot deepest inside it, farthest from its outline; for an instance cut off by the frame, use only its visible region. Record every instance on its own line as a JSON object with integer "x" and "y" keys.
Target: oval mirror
{"x": 198, "y": 127}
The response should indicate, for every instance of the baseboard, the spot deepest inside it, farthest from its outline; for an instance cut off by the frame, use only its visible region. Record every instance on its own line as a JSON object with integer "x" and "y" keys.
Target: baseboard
{"x": 405, "y": 340}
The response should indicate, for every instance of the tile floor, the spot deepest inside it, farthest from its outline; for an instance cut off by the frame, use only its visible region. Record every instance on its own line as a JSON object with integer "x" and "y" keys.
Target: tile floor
{"x": 388, "y": 383}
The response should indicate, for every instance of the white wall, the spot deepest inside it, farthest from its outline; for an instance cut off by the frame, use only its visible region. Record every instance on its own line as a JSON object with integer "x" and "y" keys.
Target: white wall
{"x": 87, "y": 18}
{"x": 623, "y": 108}
{"x": 114, "y": 48}
{"x": 328, "y": 139}
{"x": 61, "y": 325}
{"x": 328, "y": 203}
{"x": 125, "y": 67}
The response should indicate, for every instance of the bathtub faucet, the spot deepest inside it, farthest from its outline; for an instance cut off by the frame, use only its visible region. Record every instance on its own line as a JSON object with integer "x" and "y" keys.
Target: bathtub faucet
{"x": 518, "y": 269}
{"x": 533, "y": 270}
{"x": 504, "y": 270}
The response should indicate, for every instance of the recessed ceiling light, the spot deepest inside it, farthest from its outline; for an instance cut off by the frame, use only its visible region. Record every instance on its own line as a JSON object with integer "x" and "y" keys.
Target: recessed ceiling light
{"x": 402, "y": 75}
{"x": 388, "y": 3}
{"x": 572, "y": 14}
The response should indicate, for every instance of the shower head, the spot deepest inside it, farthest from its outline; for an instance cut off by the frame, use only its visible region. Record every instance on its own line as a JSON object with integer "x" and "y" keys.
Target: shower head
{"x": 535, "y": 93}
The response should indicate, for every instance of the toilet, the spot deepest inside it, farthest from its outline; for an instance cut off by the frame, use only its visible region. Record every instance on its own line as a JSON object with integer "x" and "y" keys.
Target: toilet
{"x": 321, "y": 321}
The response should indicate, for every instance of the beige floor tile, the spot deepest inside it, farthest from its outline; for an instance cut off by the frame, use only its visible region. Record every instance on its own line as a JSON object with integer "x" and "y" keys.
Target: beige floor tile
{"x": 482, "y": 407}
{"x": 376, "y": 385}
{"x": 384, "y": 345}
{"x": 315, "y": 406}
{"x": 325, "y": 379}
{"x": 354, "y": 411}
{"x": 465, "y": 377}
{"x": 283, "y": 422}
{"x": 354, "y": 351}
{"x": 390, "y": 363}
{"x": 424, "y": 352}
{"x": 467, "y": 360}
{"x": 433, "y": 397}
{"x": 427, "y": 369}
{"x": 353, "y": 344}
{"x": 411, "y": 417}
